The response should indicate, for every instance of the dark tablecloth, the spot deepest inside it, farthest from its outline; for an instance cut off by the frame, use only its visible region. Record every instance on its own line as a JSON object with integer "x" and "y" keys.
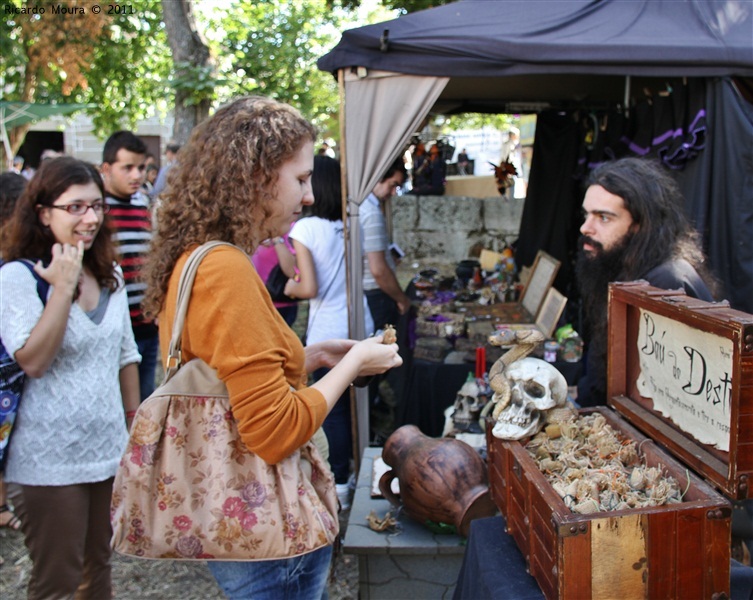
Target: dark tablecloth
{"x": 493, "y": 567}
{"x": 424, "y": 389}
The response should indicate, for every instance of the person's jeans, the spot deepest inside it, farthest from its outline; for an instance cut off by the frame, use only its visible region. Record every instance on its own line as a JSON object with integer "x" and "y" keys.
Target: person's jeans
{"x": 299, "y": 578}
{"x": 149, "y": 350}
{"x": 383, "y": 309}
{"x": 289, "y": 313}
{"x": 338, "y": 428}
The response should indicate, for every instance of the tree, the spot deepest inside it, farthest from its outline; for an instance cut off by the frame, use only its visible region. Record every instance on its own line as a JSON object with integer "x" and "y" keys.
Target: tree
{"x": 404, "y": 6}
{"x": 271, "y": 48}
{"x": 50, "y": 47}
{"x": 194, "y": 81}
{"x": 118, "y": 63}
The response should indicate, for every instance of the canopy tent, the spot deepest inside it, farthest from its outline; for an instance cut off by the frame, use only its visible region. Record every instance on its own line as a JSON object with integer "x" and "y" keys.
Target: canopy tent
{"x": 525, "y": 56}
{"x": 13, "y": 114}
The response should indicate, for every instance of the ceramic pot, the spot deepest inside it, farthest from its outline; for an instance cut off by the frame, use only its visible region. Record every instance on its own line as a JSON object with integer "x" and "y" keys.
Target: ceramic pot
{"x": 464, "y": 270}
{"x": 441, "y": 479}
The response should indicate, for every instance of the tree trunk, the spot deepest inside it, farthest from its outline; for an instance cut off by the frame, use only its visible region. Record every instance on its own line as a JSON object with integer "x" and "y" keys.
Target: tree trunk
{"x": 189, "y": 53}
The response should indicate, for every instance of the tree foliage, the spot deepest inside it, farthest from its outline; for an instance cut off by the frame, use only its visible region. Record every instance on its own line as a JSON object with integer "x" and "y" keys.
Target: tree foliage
{"x": 123, "y": 65}
{"x": 118, "y": 63}
{"x": 270, "y": 48}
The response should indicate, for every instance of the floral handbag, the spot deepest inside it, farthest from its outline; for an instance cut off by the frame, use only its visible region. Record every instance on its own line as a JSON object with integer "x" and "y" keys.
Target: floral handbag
{"x": 187, "y": 486}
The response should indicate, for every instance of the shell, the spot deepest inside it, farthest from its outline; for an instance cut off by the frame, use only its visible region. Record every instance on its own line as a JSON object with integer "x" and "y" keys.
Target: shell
{"x": 389, "y": 336}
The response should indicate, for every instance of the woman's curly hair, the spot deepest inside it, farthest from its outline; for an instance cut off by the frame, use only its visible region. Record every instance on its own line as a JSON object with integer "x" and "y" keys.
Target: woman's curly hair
{"x": 25, "y": 236}
{"x": 223, "y": 185}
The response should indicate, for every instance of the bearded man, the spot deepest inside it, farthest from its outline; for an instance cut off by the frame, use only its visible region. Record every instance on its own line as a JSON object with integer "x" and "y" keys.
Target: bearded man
{"x": 634, "y": 228}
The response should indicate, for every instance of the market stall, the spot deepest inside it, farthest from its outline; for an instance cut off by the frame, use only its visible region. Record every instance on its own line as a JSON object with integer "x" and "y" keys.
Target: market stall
{"x": 448, "y": 332}
{"x": 564, "y": 62}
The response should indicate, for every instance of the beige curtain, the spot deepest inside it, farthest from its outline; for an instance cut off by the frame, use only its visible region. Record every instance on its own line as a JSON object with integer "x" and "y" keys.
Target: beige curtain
{"x": 381, "y": 111}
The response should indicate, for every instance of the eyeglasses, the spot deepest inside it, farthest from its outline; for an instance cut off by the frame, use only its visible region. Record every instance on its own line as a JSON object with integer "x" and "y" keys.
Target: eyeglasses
{"x": 79, "y": 209}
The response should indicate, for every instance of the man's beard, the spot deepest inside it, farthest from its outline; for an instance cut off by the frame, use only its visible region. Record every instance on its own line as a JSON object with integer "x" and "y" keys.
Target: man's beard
{"x": 593, "y": 273}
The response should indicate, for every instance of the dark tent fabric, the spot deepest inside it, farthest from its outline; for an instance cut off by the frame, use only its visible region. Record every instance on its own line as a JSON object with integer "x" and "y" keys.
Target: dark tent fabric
{"x": 715, "y": 177}
{"x": 625, "y": 37}
{"x": 551, "y": 214}
{"x": 663, "y": 61}
{"x": 569, "y": 40}
{"x": 718, "y": 188}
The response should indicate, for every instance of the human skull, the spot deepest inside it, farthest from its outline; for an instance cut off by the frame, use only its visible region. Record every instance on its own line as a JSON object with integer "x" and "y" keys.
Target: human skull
{"x": 536, "y": 386}
{"x": 466, "y": 402}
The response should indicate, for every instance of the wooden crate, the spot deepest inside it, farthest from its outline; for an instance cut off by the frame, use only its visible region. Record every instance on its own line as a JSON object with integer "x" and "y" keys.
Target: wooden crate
{"x": 675, "y": 551}
{"x": 697, "y": 359}
{"x": 680, "y": 382}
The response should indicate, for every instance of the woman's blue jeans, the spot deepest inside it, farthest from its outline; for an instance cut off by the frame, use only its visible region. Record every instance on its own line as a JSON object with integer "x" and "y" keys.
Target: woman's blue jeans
{"x": 299, "y": 578}
{"x": 339, "y": 432}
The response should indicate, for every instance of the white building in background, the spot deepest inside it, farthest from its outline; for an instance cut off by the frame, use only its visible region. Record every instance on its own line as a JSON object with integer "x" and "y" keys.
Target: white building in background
{"x": 74, "y": 136}
{"x": 482, "y": 146}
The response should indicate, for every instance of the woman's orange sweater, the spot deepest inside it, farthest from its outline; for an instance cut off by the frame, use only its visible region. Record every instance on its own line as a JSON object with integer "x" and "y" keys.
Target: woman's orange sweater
{"x": 233, "y": 326}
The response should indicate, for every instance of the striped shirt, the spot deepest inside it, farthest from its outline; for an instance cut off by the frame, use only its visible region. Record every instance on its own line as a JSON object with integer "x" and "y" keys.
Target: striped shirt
{"x": 375, "y": 239}
{"x": 131, "y": 223}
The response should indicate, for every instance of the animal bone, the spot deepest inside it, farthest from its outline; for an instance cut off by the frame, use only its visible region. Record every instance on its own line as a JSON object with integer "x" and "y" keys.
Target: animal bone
{"x": 523, "y": 343}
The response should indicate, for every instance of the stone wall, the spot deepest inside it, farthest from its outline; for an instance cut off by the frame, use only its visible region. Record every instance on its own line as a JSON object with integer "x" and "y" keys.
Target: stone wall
{"x": 445, "y": 228}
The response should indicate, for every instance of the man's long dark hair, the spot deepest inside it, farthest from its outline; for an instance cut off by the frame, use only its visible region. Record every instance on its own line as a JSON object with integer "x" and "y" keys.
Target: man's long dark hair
{"x": 653, "y": 199}
{"x": 656, "y": 205}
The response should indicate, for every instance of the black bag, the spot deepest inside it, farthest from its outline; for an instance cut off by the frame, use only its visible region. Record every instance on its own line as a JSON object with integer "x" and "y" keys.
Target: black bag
{"x": 276, "y": 285}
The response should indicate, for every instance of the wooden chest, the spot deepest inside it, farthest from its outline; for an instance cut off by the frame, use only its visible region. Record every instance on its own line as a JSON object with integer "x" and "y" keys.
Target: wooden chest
{"x": 681, "y": 370}
{"x": 673, "y": 551}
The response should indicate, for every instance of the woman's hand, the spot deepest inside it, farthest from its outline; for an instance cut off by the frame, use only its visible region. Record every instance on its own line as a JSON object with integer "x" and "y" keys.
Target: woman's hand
{"x": 375, "y": 357}
{"x": 64, "y": 270}
{"x": 326, "y": 354}
{"x": 364, "y": 358}
{"x": 44, "y": 341}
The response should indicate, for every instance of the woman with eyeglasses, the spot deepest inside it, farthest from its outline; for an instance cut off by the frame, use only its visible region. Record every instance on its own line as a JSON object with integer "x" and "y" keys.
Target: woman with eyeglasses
{"x": 81, "y": 363}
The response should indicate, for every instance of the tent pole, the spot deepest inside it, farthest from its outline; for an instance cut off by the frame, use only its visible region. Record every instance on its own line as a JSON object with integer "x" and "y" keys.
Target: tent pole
{"x": 359, "y": 397}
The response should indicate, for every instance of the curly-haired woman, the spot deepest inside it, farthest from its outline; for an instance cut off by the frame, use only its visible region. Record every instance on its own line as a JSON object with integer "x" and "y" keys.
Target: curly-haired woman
{"x": 244, "y": 177}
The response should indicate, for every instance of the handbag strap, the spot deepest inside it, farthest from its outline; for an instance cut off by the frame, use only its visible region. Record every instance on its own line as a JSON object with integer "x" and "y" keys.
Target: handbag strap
{"x": 185, "y": 284}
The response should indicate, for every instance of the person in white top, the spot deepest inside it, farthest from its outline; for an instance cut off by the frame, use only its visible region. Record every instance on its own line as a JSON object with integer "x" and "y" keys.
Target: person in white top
{"x": 82, "y": 386}
{"x": 320, "y": 251}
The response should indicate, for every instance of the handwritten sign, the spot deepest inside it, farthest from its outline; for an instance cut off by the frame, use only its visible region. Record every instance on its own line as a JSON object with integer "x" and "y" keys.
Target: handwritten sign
{"x": 688, "y": 375}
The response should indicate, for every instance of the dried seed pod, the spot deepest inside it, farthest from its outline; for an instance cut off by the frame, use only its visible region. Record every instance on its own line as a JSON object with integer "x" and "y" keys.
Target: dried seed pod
{"x": 550, "y": 466}
{"x": 628, "y": 455}
{"x": 637, "y": 479}
{"x": 586, "y": 507}
{"x": 569, "y": 430}
{"x": 561, "y": 414}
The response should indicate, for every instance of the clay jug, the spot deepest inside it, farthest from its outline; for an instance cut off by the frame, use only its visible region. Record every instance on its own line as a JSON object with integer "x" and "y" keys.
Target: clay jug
{"x": 441, "y": 479}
